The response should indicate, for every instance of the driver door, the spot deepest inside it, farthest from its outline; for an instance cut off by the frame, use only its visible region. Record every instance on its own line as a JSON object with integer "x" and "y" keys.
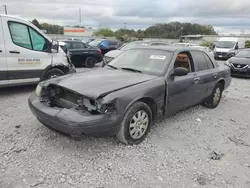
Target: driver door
{"x": 181, "y": 90}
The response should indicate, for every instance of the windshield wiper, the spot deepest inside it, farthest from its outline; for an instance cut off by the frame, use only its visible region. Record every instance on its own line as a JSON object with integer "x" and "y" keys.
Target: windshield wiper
{"x": 112, "y": 66}
{"x": 131, "y": 69}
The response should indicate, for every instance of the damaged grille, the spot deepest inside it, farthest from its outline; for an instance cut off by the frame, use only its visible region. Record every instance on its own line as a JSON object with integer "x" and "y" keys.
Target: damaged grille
{"x": 61, "y": 97}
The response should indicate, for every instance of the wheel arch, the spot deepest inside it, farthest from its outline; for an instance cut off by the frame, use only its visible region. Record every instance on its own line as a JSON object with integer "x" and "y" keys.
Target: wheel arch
{"x": 222, "y": 82}
{"x": 61, "y": 67}
{"x": 149, "y": 101}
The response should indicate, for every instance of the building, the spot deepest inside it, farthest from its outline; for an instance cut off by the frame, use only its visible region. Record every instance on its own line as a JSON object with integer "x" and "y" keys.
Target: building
{"x": 78, "y": 32}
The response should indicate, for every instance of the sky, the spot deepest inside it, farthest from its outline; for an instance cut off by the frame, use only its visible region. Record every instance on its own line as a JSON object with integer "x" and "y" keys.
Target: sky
{"x": 227, "y": 16}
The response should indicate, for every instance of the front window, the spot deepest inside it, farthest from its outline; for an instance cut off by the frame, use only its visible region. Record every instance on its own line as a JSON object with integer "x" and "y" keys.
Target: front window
{"x": 243, "y": 53}
{"x": 26, "y": 37}
{"x": 95, "y": 42}
{"x": 147, "y": 61}
{"x": 225, "y": 44}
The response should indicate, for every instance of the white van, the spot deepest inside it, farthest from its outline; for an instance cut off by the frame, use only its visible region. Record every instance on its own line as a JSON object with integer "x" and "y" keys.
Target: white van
{"x": 27, "y": 55}
{"x": 227, "y": 44}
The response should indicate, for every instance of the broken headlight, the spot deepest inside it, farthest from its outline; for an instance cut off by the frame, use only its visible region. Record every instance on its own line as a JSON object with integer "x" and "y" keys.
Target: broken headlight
{"x": 97, "y": 106}
{"x": 38, "y": 90}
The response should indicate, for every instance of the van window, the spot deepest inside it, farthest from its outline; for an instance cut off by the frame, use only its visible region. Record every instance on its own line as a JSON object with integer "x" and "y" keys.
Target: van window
{"x": 26, "y": 37}
{"x": 38, "y": 42}
{"x": 20, "y": 35}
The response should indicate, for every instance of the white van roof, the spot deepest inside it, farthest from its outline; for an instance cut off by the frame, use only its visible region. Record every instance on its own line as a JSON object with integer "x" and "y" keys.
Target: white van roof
{"x": 233, "y": 39}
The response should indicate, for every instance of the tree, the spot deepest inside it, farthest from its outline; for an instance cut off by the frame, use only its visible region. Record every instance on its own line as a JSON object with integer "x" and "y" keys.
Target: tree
{"x": 36, "y": 23}
{"x": 104, "y": 32}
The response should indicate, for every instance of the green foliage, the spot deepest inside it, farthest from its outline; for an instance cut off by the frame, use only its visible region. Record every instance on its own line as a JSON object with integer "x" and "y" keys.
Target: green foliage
{"x": 52, "y": 29}
{"x": 207, "y": 44}
{"x": 105, "y": 32}
{"x": 247, "y": 44}
{"x": 36, "y": 23}
{"x": 175, "y": 29}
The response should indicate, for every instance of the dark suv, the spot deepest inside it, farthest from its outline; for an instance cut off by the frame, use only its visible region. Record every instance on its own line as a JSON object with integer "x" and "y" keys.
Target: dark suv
{"x": 105, "y": 45}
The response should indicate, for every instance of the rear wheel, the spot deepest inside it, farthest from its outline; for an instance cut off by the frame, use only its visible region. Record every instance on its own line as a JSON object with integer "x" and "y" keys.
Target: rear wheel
{"x": 90, "y": 62}
{"x": 53, "y": 73}
{"x": 136, "y": 124}
{"x": 214, "y": 100}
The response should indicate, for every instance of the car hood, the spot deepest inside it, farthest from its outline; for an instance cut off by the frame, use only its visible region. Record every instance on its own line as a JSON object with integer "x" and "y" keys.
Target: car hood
{"x": 113, "y": 53}
{"x": 100, "y": 82}
{"x": 222, "y": 49}
{"x": 239, "y": 60}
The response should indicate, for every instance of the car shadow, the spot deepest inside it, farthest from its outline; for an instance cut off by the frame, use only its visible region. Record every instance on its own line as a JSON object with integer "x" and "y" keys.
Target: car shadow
{"x": 9, "y": 91}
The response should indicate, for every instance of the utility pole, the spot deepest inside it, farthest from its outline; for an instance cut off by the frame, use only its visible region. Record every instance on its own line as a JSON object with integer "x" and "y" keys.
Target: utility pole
{"x": 125, "y": 25}
{"x": 80, "y": 16}
{"x": 5, "y": 8}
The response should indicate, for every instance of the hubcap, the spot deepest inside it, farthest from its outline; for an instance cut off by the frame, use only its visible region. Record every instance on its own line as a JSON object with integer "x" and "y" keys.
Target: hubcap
{"x": 138, "y": 124}
{"x": 217, "y": 95}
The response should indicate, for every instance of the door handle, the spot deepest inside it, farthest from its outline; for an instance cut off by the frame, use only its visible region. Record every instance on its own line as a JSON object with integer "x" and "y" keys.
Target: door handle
{"x": 196, "y": 80}
{"x": 14, "y": 52}
{"x": 215, "y": 75}
{"x": 1, "y": 51}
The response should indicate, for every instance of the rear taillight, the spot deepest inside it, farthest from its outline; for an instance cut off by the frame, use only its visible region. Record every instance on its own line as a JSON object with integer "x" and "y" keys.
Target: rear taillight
{"x": 99, "y": 51}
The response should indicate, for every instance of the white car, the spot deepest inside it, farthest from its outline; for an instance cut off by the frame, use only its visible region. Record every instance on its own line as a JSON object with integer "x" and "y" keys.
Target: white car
{"x": 28, "y": 55}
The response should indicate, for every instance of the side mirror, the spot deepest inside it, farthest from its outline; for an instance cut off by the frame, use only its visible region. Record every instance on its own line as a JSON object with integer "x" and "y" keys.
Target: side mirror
{"x": 180, "y": 71}
{"x": 236, "y": 47}
{"x": 54, "y": 47}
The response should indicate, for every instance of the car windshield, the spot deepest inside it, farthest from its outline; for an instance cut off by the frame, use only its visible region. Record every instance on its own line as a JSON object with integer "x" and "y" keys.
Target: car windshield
{"x": 243, "y": 53}
{"x": 132, "y": 45}
{"x": 95, "y": 42}
{"x": 147, "y": 61}
{"x": 225, "y": 44}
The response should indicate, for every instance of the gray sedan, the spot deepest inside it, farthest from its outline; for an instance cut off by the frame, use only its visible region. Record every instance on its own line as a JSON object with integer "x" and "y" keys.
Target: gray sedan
{"x": 125, "y": 97}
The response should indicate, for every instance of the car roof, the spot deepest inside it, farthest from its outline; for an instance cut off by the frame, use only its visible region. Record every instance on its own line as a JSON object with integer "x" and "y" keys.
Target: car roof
{"x": 169, "y": 48}
{"x": 79, "y": 41}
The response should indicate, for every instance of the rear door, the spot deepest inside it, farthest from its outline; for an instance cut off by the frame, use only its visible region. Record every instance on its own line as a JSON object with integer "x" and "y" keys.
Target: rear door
{"x": 3, "y": 63}
{"x": 206, "y": 74}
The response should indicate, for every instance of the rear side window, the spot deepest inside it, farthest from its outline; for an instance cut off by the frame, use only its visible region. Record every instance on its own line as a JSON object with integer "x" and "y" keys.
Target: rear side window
{"x": 78, "y": 45}
{"x": 26, "y": 37}
{"x": 113, "y": 43}
{"x": 200, "y": 60}
{"x": 209, "y": 62}
{"x": 105, "y": 43}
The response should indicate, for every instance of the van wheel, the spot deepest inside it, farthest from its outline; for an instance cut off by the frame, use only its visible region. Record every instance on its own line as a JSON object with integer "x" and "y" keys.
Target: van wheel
{"x": 136, "y": 124}
{"x": 53, "y": 73}
{"x": 214, "y": 99}
{"x": 90, "y": 62}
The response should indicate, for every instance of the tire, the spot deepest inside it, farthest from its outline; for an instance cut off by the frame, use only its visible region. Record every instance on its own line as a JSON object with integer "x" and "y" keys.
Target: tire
{"x": 128, "y": 133}
{"x": 90, "y": 62}
{"x": 53, "y": 73}
{"x": 214, "y": 100}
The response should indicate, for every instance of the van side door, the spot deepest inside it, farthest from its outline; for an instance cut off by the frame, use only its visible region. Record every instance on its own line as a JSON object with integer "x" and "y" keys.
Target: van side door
{"x": 3, "y": 63}
{"x": 27, "y": 51}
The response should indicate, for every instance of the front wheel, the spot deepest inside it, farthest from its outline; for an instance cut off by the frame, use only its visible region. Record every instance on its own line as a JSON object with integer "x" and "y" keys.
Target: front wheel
{"x": 136, "y": 124}
{"x": 53, "y": 73}
{"x": 214, "y": 99}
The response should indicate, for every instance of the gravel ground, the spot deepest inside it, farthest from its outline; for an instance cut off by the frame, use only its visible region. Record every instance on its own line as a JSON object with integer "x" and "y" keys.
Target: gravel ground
{"x": 176, "y": 154}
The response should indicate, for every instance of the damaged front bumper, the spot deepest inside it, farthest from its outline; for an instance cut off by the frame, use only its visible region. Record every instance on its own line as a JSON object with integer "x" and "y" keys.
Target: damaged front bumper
{"x": 73, "y": 122}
